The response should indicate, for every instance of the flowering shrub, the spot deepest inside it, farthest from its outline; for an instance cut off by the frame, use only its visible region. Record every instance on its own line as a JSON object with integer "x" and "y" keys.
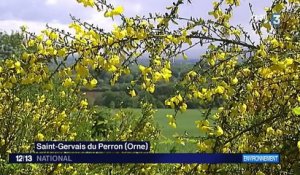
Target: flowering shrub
{"x": 257, "y": 82}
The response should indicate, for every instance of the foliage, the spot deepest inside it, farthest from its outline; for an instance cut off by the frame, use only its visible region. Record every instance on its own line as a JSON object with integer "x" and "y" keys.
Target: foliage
{"x": 256, "y": 83}
{"x": 118, "y": 99}
{"x": 10, "y": 44}
{"x": 121, "y": 125}
{"x": 36, "y": 113}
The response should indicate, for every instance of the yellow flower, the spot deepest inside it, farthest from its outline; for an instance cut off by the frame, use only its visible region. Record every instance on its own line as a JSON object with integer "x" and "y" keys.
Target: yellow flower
{"x": 179, "y": 97}
{"x": 40, "y": 137}
{"x": 117, "y": 11}
{"x": 82, "y": 70}
{"x": 68, "y": 82}
{"x": 172, "y": 121}
{"x": 36, "y": 117}
{"x": 132, "y": 93}
{"x": 229, "y": 2}
{"x": 93, "y": 83}
{"x": 13, "y": 79}
{"x": 86, "y": 3}
{"x": 126, "y": 71}
{"x": 256, "y": 94}
{"x": 298, "y": 145}
{"x": 110, "y": 40}
{"x": 156, "y": 76}
{"x": 211, "y": 61}
{"x": 173, "y": 124}
{"x": 205, "y": 128}
{"x": 249, "y": 86}
{"x": 183, "y": 107}
{"x": 220, "y": 89}
{"x": 7, "y": 85}
{"x": 62, "y": 115}
{"x": 278, "y": 7}
{"x": 288, "y": 61}
{"x": 115, "y": 60}
{"x": 166, "y": 74}
{"x": 84, "y": 103}
{"x": 203, "y": 125}
{"x": 151, "y": 88}
{"x": 270, "y": 130}
{"x": 219, "y": 131}
{"x": 180, "y": 141}
{"x": 112, "y": 68}
{"x": 62, "y": 52}
{"x": 62, "y": 94}
{"x": 64, "y": 128}
{"x": 2, "y": 142}
{"x": 144, "y": 70}
{"x": 108, "y": 14}
{"x": 278, "y": 132}
{"x": 41, "y": 99}
{"x": 243, "y": 108}
{"x": 17, "y": 65}
{"x": 202, "y": 146}
{"x": 260, "y": 173}
{"x": 53, "y": 35}
{"x": 234, "y": 81}
{"x": 274, "y": 42}
{"x": 205, "y": 146}
{"x": 48, "y": 42}
{"x": 221, "y": 56}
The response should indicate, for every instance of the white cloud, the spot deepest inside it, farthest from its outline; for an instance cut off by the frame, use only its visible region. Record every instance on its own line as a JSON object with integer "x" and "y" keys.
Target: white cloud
{"x": 98, "y": 19}
{"x": 51, "y": 2}
{"x": 33, "y": 26}
{"x": 137, "y": 8}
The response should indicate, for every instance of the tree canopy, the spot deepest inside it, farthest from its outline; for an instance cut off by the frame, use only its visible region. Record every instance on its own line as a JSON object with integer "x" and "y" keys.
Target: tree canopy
{"x": 256, "y": 82}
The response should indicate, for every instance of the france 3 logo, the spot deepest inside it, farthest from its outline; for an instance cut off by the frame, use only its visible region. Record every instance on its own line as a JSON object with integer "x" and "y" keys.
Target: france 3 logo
{"x": 275, "y": 20}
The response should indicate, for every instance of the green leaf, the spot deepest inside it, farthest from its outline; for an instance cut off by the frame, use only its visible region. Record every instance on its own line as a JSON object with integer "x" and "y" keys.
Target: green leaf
{"x": 296, "y": 110}
{"x": 185, "y": 57}
{"x": 169, "y": 8}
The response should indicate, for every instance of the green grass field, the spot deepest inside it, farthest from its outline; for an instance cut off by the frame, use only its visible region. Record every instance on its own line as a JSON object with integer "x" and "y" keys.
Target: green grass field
{"x": 185, "y": 121}
{"x": 185, "y": 125}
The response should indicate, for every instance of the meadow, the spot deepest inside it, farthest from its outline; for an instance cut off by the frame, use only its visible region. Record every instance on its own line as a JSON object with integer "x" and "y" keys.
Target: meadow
{"x": 185, "y": 127}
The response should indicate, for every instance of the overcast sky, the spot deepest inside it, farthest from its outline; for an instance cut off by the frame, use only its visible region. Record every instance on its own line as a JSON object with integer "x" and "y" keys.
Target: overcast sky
{"x": 36, "y": 13}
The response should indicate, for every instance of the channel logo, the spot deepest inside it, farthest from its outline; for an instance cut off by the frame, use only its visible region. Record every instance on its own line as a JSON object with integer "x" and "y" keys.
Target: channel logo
{"x": 275, "y": 20}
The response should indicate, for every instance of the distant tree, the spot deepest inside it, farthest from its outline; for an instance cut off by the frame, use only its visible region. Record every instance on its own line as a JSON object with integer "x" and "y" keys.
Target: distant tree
{"x": 258, "y": 97}
{"x": 11, "y": 44}
{"x": 112, "y": 104}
